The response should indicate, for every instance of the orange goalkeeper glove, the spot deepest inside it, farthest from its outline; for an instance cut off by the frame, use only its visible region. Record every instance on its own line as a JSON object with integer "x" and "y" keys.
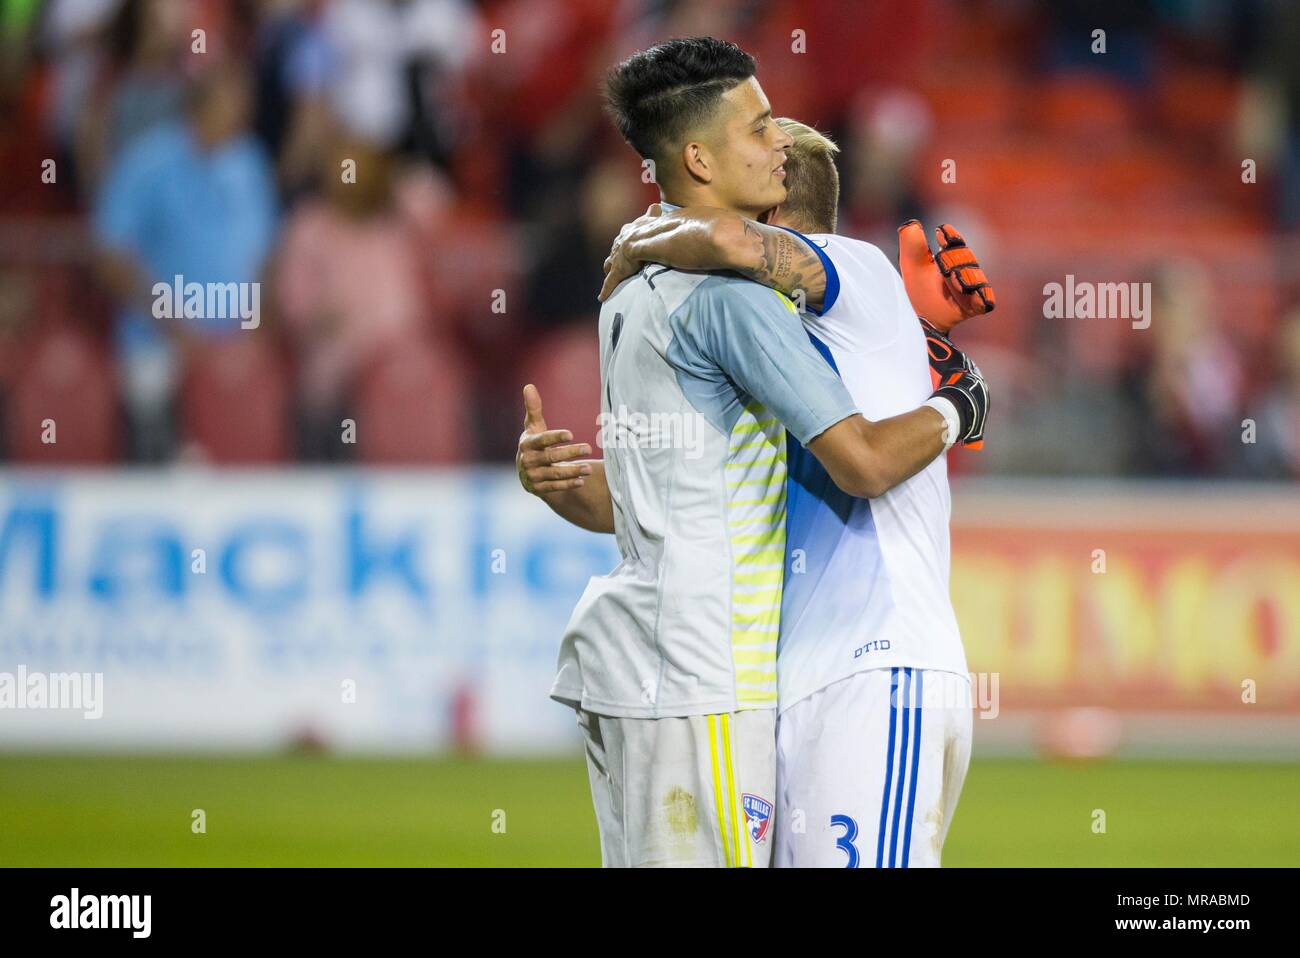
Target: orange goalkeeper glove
{"x": 947, "y": 288}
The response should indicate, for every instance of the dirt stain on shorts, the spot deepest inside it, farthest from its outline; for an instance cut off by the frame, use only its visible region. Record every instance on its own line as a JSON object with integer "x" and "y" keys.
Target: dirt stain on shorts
{"x": 680, "y": 812}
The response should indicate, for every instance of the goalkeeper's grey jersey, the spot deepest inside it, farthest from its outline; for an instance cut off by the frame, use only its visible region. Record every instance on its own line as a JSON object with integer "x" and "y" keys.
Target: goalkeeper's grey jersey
{"x": 699, "y": 372}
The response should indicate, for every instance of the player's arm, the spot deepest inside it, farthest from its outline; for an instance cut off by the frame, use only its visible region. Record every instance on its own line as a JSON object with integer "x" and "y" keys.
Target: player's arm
{"x": 705, "y": 238}
{"x": 774, "y": 362}
{"x": 867, "y": 459}
{"x": 551, "y": 466}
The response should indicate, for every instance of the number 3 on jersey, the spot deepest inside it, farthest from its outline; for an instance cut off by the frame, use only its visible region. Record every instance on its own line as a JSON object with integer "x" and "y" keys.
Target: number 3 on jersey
{"x": 845, "y": 841}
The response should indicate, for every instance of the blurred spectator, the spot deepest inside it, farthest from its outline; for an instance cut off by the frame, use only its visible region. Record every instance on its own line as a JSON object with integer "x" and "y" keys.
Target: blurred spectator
{"x": 349, "y": 288}
{"x": 194, "y": 199}
{"x": 1054, "y": 418}
{"x": 887, "y": 132}
{"x": 1275, "y": 453}
{"x": 1272, "y": 102}
{"x": 384, "y": 47}
{"x": 72, "y": 40}
{"x": 567, "y": 275}
{"x": 295, "y": 67}
{"x": 1128, "y": 27}
{"x": 1188, "y": 396}
{"x": 140, "y": 84}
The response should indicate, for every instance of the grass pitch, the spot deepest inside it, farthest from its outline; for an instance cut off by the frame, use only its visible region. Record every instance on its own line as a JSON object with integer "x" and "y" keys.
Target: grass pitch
{"x": 306, "y": 810}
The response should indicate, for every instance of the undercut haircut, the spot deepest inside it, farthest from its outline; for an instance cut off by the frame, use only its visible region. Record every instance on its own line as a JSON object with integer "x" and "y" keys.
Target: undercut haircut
{"x": 660, "y": 95}
{"x": 812, "y": 182}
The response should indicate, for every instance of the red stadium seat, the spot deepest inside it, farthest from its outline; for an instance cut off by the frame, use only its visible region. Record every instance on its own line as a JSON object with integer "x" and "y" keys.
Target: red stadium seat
{"x": 1086, "y": 107}
{"x": 1199, "y": 103}
{"x": 67, "y": 381}
{"x": 982, "y": 106}
{"x": 565, "y": 368}
{"x": 412, "y": 407}
{"x": 235, "y": 401}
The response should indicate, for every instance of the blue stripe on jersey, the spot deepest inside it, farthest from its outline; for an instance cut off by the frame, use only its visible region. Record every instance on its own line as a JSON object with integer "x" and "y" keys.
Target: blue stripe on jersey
{"x": 826, "y": 353}
{"x": 902, "y": 770}
{"x": 819, "y": 517}
{"x": 889, "y": 767}
{"x": 832, "y": 276}
{"x": 916, "y": 760}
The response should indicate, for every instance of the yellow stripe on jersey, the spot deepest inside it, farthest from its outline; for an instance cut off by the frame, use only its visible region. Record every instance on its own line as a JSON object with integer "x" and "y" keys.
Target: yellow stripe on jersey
{"x": 760, "y": 441}
{"x": 779, "y": 458}
{"x": 756, "y": 477}
{"x": 775, "y": 556}
{"x": 752, "y": 425}
{"x": 765, "y": 598}
{"x": 757, "y": 637}
{"x": 766, "y": 618}
{"x": 717, "y": 788}
{"x": 786, "y": 300}
{"x": 732, "y": 802}
{"x": 771, "y": 577}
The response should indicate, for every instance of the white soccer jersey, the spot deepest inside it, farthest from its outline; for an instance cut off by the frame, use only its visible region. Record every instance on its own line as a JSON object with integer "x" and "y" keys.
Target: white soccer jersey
{"x": 866, "y": 579}
{"x": 698, "y": 374}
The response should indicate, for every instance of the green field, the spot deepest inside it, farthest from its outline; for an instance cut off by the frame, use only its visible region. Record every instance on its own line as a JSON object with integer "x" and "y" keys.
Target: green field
{"x": 316, "y": 810}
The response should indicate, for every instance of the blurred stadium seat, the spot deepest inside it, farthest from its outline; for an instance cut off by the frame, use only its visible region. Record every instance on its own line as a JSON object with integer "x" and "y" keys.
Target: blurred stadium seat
{"x": 65, "y": 379}
{"x": 562, "y": 368}
{"x": 412, "y": 408}
{"x": 235, "y": 401}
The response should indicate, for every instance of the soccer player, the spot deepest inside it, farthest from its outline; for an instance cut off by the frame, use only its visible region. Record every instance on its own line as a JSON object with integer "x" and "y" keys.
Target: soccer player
{"x": 670, "y": 660}
{"x": 875, "y": 724}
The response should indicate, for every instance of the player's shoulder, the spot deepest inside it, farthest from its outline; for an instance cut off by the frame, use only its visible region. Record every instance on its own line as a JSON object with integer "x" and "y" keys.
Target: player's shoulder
{"x": 656, "y": 284}
{"x": 850, "y": 250}
{"x": 711, "y": 293}
{"x": 700, "y": 294}
{"x": 725, "y": 288}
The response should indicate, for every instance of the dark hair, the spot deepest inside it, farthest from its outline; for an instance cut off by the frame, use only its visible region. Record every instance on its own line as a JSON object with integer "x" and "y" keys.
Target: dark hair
{"x": 657, "y": 96}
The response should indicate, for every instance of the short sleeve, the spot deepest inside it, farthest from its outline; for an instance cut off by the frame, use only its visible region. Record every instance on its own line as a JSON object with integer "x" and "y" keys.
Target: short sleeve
{"x": 755, "y": 336}
{"x": 832, "y": 274}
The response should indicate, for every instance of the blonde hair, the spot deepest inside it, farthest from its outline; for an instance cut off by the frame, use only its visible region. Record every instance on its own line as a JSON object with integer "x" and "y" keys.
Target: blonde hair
{"x": 811, "y": 180}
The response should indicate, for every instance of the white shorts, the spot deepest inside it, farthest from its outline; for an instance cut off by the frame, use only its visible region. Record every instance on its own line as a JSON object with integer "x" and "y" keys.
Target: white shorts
{"x": 870, "y": 768}
{"x": 692, "y": 791}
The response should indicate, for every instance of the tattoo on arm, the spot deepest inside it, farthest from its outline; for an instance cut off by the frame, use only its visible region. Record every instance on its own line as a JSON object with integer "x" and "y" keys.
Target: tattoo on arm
{"x": 784, "y": 262}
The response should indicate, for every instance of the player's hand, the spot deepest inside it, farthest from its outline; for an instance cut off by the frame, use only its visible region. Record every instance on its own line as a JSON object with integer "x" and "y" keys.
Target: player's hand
{"x": 545, "y": 457}
{"x": 957, "y": 379}
{"x": 618, "y": 266}
{"x": 944, "y": 289}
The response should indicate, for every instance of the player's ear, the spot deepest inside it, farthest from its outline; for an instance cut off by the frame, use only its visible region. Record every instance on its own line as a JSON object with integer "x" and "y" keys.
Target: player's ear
{"x": 698, "y": 162}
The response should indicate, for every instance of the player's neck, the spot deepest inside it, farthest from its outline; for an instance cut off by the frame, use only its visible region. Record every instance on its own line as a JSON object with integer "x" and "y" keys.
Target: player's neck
{"x": 702, "y": 196}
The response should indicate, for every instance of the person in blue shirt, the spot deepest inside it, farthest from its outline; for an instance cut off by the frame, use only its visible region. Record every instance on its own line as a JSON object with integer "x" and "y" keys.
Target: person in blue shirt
{"x": 196, "y": 200}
